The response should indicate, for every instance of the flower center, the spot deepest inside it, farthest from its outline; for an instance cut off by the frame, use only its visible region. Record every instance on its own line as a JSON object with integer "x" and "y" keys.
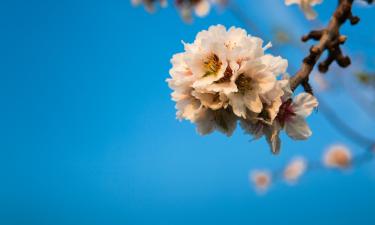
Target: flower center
{"x": 227, "y": 75}
{"x": 212, "y": 65}
{"x": 286, "y": 112}
{"x": 244, "y": 83}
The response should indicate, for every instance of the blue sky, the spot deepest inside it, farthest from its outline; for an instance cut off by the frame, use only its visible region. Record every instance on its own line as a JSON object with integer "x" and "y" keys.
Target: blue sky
{"x": 88, "y": 133}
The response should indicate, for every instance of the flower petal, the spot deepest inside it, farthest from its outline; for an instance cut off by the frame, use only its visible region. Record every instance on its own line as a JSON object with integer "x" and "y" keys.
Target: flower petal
{"x": 297, "y": 128}
{"x": 303, "y": 104}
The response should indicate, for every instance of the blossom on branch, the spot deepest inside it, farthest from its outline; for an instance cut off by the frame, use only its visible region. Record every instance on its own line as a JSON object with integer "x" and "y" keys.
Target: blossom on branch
{"x": 289, "y": 114}
{"x": 261, "y": 180}
{"x": 294, "y": 170}
{"x": 337, "y": 156}
{"x": 306, "y": 6}
{"x": 225, "y": 76}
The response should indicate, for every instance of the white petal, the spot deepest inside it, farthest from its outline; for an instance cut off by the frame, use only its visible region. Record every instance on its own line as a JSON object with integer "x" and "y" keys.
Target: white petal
{"x": 297, "y": 128}
{"x": 276, "y": 65}
{"x": 304, "y": 104}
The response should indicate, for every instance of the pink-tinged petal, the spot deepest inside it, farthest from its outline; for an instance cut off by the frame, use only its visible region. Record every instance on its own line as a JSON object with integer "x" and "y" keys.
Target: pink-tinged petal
{"x": 297, "y": 128}
{"x": 304, "y": 104}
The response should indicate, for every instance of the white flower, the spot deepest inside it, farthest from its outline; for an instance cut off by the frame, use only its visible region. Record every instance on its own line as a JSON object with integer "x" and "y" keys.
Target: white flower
{"x": 306, "y": 6}
{"x": 261, "y": 179}
{"x": 223, "y": 75}
{"x": 295, "y": 169}
{"x": 292, "y": 115}
{"x": 255, "y": 77}
{"x": 337, "y": 156}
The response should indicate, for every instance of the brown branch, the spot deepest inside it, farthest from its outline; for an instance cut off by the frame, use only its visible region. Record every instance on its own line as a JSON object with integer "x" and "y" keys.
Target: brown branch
{"x": 330, "y": 41}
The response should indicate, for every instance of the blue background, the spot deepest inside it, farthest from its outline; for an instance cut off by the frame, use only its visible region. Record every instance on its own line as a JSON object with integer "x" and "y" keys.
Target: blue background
{"x": 88, "y": 133}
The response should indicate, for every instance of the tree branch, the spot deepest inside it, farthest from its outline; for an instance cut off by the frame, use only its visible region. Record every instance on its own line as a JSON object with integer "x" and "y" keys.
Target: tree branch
{"x": 329, "y": 40}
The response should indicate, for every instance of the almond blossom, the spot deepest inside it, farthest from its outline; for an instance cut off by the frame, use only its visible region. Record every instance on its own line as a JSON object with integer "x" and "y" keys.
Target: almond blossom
{"x": 337, "y": 156}
{"x": 289, "y": 115}
{"x": 306, "y": 6}
{"x": 295, "y": 169}
{"x": 261, "y": 179}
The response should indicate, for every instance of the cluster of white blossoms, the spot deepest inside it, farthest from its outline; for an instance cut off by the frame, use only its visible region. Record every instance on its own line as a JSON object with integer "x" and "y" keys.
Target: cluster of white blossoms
{"x": 224, "y": 76}
{"x": 306, "y": 6}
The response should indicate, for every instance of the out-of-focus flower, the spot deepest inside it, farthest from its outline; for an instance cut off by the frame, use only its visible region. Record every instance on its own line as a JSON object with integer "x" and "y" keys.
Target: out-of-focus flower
{"x": 222, "y": 76}
{"x": 150, "y": 4}
{"x": 337, "y": 156}
{"x": 201, "y": 8}
{"x": 306, "y": 6}
{"x": 261, "y": 180}
{"x": 295, "y": 169}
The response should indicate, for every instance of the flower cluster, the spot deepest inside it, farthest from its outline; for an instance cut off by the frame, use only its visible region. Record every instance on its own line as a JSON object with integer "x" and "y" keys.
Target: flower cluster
{"x": 306, "y": 6}
{"x": 224, "y": 76}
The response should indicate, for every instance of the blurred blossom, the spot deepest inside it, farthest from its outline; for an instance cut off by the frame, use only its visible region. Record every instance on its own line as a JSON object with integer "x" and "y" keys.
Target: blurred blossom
{"x": 200, "y": 7}
{"x": 295, "y": 169}
{"x": 150, "y": 4}
{"x": 261, "y": 180}
{"x": 337, "y": 156}
{"x": 306, "y": 6}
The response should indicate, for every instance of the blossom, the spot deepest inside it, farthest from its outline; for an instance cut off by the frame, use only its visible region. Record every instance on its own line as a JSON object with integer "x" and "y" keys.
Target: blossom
{"x": 292, "y": 115}
{"x": 261, "y": 179}
{"x": 337, "y": 156}
{"x": 294, "y": 169}
{"x": 200, "y": 7}
{"x": 222, "y": 76}
{"x": 289, "y": 115}
{"x": 306, "y": 6}
{"x": 150, "y": 4}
